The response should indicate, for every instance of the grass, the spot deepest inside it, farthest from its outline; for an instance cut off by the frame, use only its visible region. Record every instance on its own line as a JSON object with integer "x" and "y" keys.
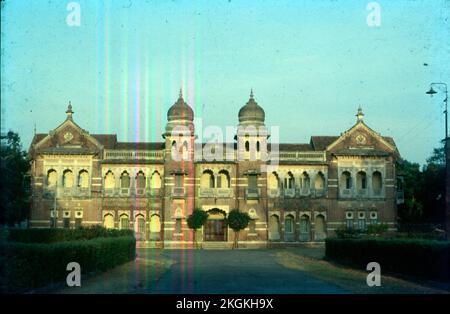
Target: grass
{"x": 352, "y": 280}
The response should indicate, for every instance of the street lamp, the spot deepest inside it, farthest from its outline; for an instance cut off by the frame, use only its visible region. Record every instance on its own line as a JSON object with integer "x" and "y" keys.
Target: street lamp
{"x": 431, "y": 92}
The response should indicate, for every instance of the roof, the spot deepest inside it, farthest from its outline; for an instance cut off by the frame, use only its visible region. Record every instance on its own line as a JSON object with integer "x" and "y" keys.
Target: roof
{"x": 290, "y": 147}
{"x": 321, "y": 142}
{"x": 140, "y": 145}
{"x": 361, "y": 152}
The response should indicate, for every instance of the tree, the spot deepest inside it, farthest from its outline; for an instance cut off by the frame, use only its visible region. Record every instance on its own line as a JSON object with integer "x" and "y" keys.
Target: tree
{"x": 195, "y": 221}
{"x": 237, "y": 221}
{"x": 15, "y": 181}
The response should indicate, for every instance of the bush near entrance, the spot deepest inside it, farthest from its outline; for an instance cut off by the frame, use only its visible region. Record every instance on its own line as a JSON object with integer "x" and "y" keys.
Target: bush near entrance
{"x": 32, "y": 263}
{"x": 237, "y": 221}
{"x": 427, "y": 259}
{"x": 195, "y": 221}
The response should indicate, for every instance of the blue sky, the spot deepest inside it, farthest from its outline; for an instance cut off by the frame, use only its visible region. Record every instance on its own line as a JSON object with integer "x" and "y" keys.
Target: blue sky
{"x": 310, "y": 64}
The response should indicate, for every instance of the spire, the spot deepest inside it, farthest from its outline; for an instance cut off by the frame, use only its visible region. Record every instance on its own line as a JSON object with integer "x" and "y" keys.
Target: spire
{"x": 251, "y": 93}
{"x": 181, "y": 94}
{"x": 69, "y": 111}
{"x": 359, "y": 114}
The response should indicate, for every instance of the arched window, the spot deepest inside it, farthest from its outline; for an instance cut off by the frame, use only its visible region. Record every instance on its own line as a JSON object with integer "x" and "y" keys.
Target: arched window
{"x": 346, "y": 180}
{"x": 274, "y": 227}
{"x": 319, "y": 183}
{"x": 361, "y": 180}
{"x": 155, "y": 223}
{"x": 155, "y": 180}
{"x": 207, "y": 179}
{"x": 140, "y": 180}
{"x": 247, "y": 146}
{"x": 290, "y": 181}
{"x": 289, "y": 224}
{"x": 174, "y": 151}
{"x": 140, "y": 227}
{"x": 83, "y": 179}
{"x": 273, "y": 181}
{"x": 52, "y": 178}
{"x": 377, "y": 182}
{"x": 109, "y": 180}
{"x": 257, "y": 146}
{"x": 124, "y": 221}
{"x": 125, "y": 180}
{"x": 185, "y": 151}
{"x": 305, "y": 228}
{"x": 305, "y": 182}
{"x": 68, "y": 178}
{"x": 223, "y": 179}
{"x": 108, "y": 221}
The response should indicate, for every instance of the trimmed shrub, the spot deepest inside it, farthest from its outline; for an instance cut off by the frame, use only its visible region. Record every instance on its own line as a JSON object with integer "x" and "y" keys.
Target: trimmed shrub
{"x": 25, "y": 266}
{"x": 53, "y": 235}
{"x": 426, "y": 259}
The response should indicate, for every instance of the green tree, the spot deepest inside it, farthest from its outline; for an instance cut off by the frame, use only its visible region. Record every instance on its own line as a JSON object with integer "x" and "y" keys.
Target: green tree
{"x": 195, "y": 221}
{"x": 237, "y": 221}
{"x": 15, "y": 180}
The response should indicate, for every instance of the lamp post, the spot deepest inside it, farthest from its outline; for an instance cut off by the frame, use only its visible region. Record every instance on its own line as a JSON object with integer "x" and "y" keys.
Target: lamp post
{"x": 431, "y": 92}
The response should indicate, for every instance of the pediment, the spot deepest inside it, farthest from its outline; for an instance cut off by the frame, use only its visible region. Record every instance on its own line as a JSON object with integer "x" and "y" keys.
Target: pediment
{"x": 68, "y": 137}
{"x": 361, "y": 138}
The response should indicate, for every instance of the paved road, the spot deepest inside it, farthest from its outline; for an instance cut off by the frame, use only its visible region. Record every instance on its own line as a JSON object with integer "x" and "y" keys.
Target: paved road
{"x": 237, "y": 271}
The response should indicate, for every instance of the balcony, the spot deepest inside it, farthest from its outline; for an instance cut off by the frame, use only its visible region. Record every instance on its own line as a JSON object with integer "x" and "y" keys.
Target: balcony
{"x": 362, "y": 193}
{"x": 252, "y": 193}
{"x": 109, "y": 192}
{"x": 319, "y": 193}
{"x": 289, "y": 193}
{"x": 304, "y": 191}
{"x": 206, "y": 192}
{"x": 224, "y": 192}
{"x": 345, "y": 192}
{"x": 154, "y": 192}
{"x": 274, "y": 193}
{"x": 140, "y": 192}
{"x": 124, "y": 191}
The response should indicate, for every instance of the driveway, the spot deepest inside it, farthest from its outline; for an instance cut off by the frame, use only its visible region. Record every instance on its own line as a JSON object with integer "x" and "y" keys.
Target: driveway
{"x": 235, "y": 271}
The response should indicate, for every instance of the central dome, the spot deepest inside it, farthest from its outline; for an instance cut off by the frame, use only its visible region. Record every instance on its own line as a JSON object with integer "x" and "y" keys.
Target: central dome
{"x": 251, "y": 113}
{"x": 180, "y": 110}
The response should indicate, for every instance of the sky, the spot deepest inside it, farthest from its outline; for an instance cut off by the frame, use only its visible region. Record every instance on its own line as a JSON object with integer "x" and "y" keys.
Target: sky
{"x": 310, "y": 65}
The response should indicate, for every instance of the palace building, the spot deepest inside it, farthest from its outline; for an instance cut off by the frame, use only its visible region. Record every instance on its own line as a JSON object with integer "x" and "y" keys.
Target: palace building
{"x": 83, "y": 179}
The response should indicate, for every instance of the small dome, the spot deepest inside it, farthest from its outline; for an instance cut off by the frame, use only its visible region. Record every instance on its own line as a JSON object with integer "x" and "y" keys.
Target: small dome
{"x": 180, "y": 110}
{"x": 251, "y": 113}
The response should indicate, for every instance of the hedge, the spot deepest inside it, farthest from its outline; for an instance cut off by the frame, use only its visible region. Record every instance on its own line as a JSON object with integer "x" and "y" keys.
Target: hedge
{"x": 427, "y": 259}
{"x": 53, "y": 235}
{"x": 25, "y": 266}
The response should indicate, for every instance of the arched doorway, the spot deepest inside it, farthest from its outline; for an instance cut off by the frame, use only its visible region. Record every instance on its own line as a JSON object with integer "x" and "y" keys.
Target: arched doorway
{"x": 216, "y": 227}
{"x": 274, "y": 228}
{"x": 319, "y": 228}
{"x": 108, "y": 221}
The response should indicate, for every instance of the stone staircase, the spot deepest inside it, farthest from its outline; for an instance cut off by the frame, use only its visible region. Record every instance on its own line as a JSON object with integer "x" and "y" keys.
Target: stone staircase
{"x": 216, "y": 245}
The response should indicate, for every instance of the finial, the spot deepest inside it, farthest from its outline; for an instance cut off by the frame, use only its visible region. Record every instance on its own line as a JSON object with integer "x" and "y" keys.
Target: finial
{"x": 359, "y": 114}
{"x": 69, "y": 111}
{"x": 181, "y": 93}
{"x": 251, "y": 93}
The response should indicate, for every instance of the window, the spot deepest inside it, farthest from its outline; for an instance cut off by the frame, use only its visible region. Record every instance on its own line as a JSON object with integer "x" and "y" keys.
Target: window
{"x": 289, "y": 224}
{"x": 155, "y": 224}
{"x": 247, "y": 146}
{"x": 178, "y": 226}
{"x": 223, "y": 179}
{"x": 257, "y": 146}
{"x": 273, "y": 181}
{"x": 319, "y": 225}
{"x": 109, "y": 180}
{"x": 305, "y": 182}
{"x": 124, "y": 222}
{"x": 125, "y": 180}
{"x": 155, "y": 181}
{"x": 349, "y": 220}
{"x": 108, "y": 221}
{"x": 78, "y": 222}
{"x": 140, "y": 227}
{"x": 140, "y": 180}
{"x": 373, "y": 217}
{"x": 52, "y": 178}
{"x": 83, "y": 179}
{"x": 207, "y": 179}
{"x": 67, "y": 179}
{"x": 252, "y": 182}
{"x": 304, "y": 224}
{"x": 346, "y": 180}
{"x": 319, "y": 183}
{"x": 290, "y": 181}
{"x": 178, "y": 180}
{"x": 361, "y": 220}
{"x": 274, "y": 223}
{"x": 361, "y": 180}
{"x": 66, "y": 223}
{"x": 376, "y": 182}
